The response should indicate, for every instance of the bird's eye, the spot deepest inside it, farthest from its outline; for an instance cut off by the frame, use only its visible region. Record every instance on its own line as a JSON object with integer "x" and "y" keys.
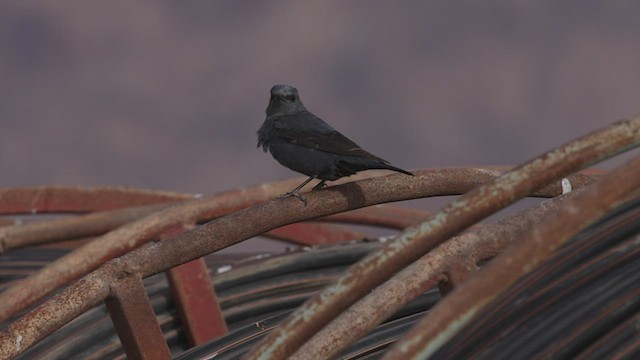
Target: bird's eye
{"x": 291, "y": 97}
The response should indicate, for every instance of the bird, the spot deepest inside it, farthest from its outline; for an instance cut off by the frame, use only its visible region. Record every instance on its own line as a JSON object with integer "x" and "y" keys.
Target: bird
{"x": 304, "y": 143}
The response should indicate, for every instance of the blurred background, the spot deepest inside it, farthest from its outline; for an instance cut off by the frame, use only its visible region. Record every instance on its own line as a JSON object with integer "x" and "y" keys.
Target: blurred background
{"x": 169, "y": 94}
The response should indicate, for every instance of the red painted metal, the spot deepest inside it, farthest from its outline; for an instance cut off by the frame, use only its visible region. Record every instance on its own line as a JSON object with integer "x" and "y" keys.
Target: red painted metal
{"x": 162, "y": 255}
{"x": 429, "y": 182}
{"x": 135, "y": 321}
{"x": 171, "y": 252}
{"x": 468, "y": 209}
{"x": 197, "y": 302}
{"x": 120, "y": 240}
{"x": 383, "y": 215}
{"x": 230, "y": 229}
{"x": 53, "y": 314}
{"x": 313, "y": 233}
{"x": 458, "y": 308}
{"x": 70, "y": 228}
{"x": 98, "y": 223}
{"x": 446, "y": 264}
{"x": 75, "y": 199}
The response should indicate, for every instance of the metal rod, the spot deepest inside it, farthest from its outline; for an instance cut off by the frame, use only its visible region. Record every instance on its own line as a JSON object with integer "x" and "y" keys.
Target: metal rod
{"x": 455, "y": 217}
{"x": 157, "y": 257}
{"x": 197, "y": 302}
{"x": 222, "y": 232}
{"x": 458, "y": 254}
{"x": 459, "y": 307}
{"x": 135, "y": 321}
{"x": 76, "y": 199}
{"x": 428, "y": 182}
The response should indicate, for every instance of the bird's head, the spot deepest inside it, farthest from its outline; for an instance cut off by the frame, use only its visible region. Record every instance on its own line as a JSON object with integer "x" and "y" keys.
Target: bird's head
{"x": 284, "y": 101}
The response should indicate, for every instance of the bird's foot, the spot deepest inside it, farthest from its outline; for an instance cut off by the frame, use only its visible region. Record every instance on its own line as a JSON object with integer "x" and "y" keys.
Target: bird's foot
{"x": 321, "y": 185}
{"x": 296, "y": 194}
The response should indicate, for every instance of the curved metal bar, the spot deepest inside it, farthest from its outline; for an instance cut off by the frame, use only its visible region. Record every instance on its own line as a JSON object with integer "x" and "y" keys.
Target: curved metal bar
{"x": 94, "y": 224}
{"x": 119, "y": 241}
{"x": 18, "y": 236}
{"x": 99, "y": 223}
{"x": 460, "y": 254}
{"x": 242, "y": 224}
{"x": 218, "y": 234}
{"x": 388, "y": 216}
{"x": 131, "y": 235}
{"x": 77, "y": 199}
{"x": 455, "y": 217}
{"x": 459, "y": 307}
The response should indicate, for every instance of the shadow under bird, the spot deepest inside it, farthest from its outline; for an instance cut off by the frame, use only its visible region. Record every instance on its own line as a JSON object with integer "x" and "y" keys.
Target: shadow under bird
{"x": 305, "y": 143}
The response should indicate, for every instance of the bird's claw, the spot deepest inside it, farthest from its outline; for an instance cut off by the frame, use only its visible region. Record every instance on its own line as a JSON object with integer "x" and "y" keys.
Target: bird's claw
{"x": 296, "y": 194}
{"x": 321, "y": 185}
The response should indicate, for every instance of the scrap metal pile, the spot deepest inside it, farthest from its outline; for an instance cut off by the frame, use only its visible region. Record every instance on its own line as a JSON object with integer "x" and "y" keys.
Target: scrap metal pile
{"x": 558, "y": 279}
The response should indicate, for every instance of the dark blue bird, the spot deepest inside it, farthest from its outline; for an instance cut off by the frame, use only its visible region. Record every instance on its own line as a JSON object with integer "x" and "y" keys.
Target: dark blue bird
{"x": 305, "y": 143}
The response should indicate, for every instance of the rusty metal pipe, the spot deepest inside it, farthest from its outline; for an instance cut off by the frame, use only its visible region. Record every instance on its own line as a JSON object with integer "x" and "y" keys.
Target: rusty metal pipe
{"x": 14, "y": 236}
{"x": 461, "y": 252}
{"x": 135, "y": 321}
{"x": 94, "y": 224}
{"x": 459, "y": 307}
{"x": 78, "y": 199}
{"x": 429, "y": 182}
{"x": 157, "y": 257}
{"x": 117, "y": 242}
{"x": 455, "y": 217}
{"x": 197, "y": 243}
{"x": 57, "y": 311}
{"x": 197, "y": 302}
{"x": 18, "y": 236}
{"x": 387, "y": 216}
{"x": 98, "y": 223}
{"x": 311, "y": 233}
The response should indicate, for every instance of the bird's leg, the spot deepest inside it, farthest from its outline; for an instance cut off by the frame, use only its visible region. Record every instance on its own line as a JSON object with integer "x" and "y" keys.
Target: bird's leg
{"x": 296, "y": 192}
{"x": 320, "y": 185}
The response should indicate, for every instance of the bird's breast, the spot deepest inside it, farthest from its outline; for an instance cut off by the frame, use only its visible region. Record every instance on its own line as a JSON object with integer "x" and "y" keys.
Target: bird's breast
{"x": 265, "y": 134}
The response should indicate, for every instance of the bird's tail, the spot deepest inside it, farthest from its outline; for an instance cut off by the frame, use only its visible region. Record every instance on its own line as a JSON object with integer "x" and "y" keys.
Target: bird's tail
{"x": 393, "y": 168}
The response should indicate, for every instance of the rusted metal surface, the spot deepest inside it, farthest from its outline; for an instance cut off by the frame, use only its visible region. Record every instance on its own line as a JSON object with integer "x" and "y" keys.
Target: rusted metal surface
{"x": 122, "y": 239}
{"x": 20, "y": 235}
{"x": 92, "y": 335}
{"x": 195, "y": 297}
{"x": 458, "y": 215}
{"x": 75, "y": 199}
{"x": 98, "y": 223}
{"x": 594, "y": 279}
{"x": 197, "y": 302}
{"x": 249, "y": 222}
{"x": 52, "y": 314}
{"x": 246, "y": 223}
{"x": 6, "y": 222}
{"x": 461, "y": 252}
{"x": 388, "y": 216}
{"x": 293, "y": 268}
{"x": 290, "y": 288}
{"x": 543, "y": 314}
{"x": 162, "y": 255}
{"x": 429, "y": 182}
{"x": 159, "y": 256}
{"x": 135, "y": 321}
{"x": 459, "y": 307}
{"x": 314, "y": 233}
{"x": 94, "y": 224}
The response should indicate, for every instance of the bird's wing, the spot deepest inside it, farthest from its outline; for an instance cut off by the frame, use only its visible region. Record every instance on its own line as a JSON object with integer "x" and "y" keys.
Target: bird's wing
{"x": 311, "y": 132}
